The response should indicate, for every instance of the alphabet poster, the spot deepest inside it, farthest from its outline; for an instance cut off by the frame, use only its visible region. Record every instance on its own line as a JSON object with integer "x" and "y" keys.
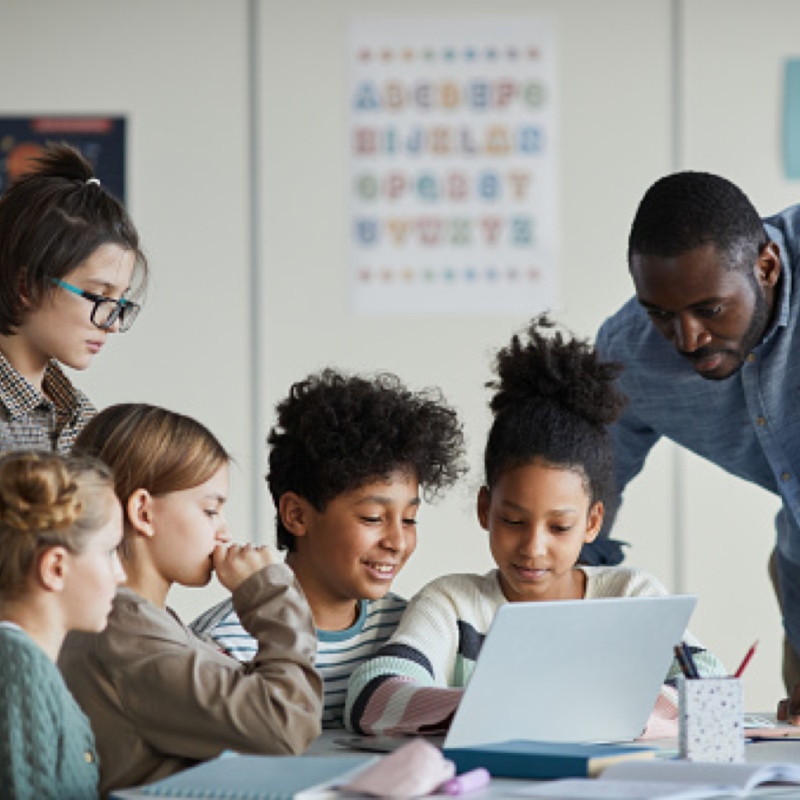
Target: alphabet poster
{"x": 454, "y": 166}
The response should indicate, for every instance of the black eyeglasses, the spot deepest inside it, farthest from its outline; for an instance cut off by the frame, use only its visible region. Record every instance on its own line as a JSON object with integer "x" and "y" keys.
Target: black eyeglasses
{"x": 107, "y": 311}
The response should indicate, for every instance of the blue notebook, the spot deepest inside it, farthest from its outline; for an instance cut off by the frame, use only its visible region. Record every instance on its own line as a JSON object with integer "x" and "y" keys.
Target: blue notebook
{"x": 237, "y": 777}
{"x": 543, "y": 760}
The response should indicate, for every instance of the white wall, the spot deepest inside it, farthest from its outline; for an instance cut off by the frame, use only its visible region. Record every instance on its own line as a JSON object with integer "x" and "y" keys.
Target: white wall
{"x": 308, "y": 322}
{"x": 179, "y": 70}
{"x": 731, "y": 124}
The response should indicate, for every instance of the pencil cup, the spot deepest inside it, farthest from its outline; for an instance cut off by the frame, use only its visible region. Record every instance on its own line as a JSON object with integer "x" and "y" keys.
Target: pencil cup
{"x": 711, "y": 717}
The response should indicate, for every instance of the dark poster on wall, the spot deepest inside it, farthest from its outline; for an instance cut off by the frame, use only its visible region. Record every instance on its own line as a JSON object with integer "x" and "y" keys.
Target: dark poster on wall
{"x": 100, "y": 139}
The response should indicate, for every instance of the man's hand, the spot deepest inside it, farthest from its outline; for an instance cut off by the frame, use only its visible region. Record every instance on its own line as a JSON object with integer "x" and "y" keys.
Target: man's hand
{"x": 789, "y": 708}
{"x": 235, "y": 563}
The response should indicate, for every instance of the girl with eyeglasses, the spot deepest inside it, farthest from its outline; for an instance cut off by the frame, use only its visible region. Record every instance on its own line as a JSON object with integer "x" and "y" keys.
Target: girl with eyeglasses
{"x": 70, "y": 264}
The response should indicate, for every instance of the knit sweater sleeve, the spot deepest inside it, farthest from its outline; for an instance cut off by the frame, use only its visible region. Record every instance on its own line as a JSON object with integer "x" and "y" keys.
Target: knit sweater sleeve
{"x": 36, "y": 762}
{"x": 415, "y": 681}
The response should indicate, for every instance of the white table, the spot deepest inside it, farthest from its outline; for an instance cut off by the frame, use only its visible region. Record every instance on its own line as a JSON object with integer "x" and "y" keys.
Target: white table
{"x": 765, "y": 751}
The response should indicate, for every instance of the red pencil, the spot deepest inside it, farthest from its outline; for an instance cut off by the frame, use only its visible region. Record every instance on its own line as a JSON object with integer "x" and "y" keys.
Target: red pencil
{"x": 745, "y": 660}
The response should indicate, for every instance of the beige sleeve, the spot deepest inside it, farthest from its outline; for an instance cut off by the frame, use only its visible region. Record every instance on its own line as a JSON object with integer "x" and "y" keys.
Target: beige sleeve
{"x": 188, "y": 699}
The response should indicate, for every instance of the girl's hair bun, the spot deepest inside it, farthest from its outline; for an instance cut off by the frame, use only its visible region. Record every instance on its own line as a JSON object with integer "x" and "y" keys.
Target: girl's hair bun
{"x": 37, "y": 494}
{"x": 48, "y": 500}
{"x": 547, "y": 364}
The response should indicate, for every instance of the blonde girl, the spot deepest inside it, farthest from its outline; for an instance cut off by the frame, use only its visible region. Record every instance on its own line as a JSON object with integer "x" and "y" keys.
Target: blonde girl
{"x": 159, "y": 698}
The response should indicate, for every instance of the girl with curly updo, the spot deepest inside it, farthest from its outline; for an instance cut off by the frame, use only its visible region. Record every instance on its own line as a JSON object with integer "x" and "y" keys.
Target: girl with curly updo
{"x": 548, "y": 472}
{"x": 159, "y": 698}
{"x": 60, "y": 525}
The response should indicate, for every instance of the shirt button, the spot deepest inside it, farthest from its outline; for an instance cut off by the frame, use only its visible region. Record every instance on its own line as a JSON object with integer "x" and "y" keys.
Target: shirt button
{"x": 761, "y": 421}
{"x": 751, "y": 357}
{"x": 785, "y": 476}
{"x": 89, "y": 756}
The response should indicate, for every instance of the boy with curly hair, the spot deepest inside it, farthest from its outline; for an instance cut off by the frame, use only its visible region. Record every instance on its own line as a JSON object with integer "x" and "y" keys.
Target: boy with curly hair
{"x": 348, "y": 457}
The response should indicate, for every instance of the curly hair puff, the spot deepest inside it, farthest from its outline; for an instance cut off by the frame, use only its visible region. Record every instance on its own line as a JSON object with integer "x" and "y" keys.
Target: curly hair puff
{"x": 337, "y": 432}
{"x": 553, "y": 402}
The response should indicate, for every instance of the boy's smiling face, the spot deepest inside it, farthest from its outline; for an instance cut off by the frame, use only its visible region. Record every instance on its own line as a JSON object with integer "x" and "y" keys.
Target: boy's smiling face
{"x": 354, "y": 548}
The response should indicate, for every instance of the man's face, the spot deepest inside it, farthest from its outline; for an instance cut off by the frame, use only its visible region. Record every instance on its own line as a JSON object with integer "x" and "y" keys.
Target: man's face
{"x": 714, "y": 316}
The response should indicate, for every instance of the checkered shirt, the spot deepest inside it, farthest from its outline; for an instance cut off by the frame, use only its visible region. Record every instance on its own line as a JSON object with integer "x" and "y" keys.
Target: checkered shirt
{"x": 34, "y": 420}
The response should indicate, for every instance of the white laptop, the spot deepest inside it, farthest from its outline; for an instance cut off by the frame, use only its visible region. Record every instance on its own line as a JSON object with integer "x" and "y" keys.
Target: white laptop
{"x": 570, "y": 670}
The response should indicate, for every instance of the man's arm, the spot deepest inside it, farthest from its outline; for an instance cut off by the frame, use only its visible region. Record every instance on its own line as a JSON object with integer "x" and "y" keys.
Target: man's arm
{"x": 632, "y": 441}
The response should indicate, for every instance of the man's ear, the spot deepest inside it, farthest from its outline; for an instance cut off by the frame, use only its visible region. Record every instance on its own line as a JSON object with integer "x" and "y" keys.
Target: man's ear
{"x": 768, "y": 266}
{"x": 484, "y": 501}
{"x": 139, "y": 510}
{"x": 295, "y": 513}
{"x": 594, "y": 521}
{"x": 52, "y": 567}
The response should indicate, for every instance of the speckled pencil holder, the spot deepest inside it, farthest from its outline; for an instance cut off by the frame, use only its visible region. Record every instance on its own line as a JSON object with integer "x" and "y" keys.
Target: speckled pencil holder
{"x": 711, "y": 717}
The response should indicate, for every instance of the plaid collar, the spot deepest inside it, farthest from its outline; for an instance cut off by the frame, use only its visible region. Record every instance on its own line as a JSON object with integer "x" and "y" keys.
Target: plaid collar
{"x": 20, "y": 396}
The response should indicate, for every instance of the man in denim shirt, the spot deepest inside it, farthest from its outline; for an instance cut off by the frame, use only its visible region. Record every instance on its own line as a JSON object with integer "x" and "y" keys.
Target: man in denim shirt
{"x": 711, "y": 349}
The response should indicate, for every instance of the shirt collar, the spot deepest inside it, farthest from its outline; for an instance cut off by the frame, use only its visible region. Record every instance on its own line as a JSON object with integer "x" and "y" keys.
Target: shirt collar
{"x": 20, "y": 396}
{"x": 59, "y": 388}
{"x": 784, "y": 288}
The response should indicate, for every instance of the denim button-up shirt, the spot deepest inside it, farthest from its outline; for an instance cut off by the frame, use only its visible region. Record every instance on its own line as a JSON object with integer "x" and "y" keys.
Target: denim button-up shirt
{"x": 748, "y": 424}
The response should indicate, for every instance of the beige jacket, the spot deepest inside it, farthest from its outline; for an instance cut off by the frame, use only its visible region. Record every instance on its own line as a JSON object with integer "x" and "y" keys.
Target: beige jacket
{"x": 160, "y": 699}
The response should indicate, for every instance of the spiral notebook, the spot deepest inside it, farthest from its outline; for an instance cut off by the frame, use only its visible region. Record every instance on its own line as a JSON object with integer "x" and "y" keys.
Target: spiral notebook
{"x": 237, "y": 777}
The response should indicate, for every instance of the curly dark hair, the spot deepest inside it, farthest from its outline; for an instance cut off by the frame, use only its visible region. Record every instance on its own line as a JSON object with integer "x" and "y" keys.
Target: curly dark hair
{"x": 554, "y": 400}
{"x": 686, "y": 210}
{"x": 337, "y": 432}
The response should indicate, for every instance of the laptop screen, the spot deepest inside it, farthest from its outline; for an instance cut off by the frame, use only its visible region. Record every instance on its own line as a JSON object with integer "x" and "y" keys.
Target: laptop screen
{"x": 571, "y": 670}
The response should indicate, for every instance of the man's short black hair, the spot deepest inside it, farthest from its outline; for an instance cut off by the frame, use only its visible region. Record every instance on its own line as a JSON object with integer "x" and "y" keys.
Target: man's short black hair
{"x": 337, "y": 432}
{"x": 687, "y": 210}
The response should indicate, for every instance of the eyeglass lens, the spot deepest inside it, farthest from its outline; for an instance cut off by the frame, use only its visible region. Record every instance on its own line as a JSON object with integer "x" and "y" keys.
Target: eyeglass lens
{"x": 107, "y": 311}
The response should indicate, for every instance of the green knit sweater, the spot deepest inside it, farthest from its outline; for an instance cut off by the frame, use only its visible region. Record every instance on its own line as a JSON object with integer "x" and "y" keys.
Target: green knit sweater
{"x": 46, "y": 744}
